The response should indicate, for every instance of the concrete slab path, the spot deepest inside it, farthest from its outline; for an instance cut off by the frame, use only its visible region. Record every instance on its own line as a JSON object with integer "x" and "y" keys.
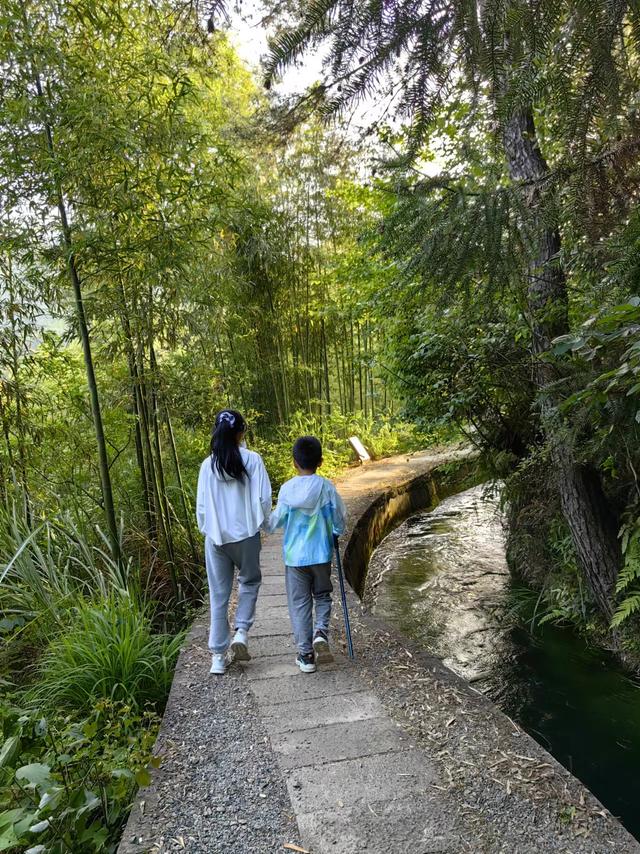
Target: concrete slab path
{"x": 356, "y": 780}
{"x": 369, "y": 760}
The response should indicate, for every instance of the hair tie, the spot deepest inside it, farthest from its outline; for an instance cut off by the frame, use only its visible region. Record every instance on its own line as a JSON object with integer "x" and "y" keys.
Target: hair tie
{"x": 228, "y": 417}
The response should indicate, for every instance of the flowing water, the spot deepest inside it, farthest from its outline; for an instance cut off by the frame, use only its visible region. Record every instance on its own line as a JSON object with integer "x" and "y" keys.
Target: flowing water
{"x": 442, "y": 579}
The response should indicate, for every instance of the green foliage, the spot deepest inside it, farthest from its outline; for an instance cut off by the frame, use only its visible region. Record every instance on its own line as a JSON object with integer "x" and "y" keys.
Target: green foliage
{"x": 383, "y": 437}
{"x": 570, "y": 58}
{"x": 218, "y": 266}
{"x": 108, "y": 651}
{"x": 628, "y": 583}
{"x": 66, "y": 782}
{"x": 46, "y": 567}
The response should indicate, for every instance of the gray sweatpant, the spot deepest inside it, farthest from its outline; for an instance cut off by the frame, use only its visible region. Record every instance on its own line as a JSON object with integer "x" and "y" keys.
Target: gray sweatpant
{"x": 306, "y": 585}
{"x": 221, "y": 561}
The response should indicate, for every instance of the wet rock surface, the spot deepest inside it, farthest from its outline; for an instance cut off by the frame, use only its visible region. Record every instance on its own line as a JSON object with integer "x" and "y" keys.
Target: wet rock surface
{"x": 443, "y": 577}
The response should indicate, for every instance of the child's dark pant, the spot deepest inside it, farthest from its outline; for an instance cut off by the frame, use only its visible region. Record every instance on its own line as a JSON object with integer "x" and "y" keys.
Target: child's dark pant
{"x": 306, "y": 585}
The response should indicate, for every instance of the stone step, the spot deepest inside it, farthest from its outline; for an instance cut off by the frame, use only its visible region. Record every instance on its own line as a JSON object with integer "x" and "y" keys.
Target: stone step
{"x": 335, "y": 742}
{"x": 311, "y": 714}
{"x": 355, "y": 782}
{"x": 306, "y": 686}
{"x": 415, "y": 824}
{"x": 276, "y": 666}
{"x": 267, "y": 626}
{"x": 271, "y": 584}
{"x": 266, "y": 646}
{"x": 279, "y": 609}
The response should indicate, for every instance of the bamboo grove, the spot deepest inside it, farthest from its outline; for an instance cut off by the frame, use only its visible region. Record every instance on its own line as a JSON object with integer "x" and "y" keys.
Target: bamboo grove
{"x": 164, "y": 252}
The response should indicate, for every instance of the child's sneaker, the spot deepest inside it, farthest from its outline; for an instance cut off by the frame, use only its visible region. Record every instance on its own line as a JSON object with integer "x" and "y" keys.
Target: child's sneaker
{"x": 306, "y": 662}
{"x": 321, "y": 647}
{"x": 218, "y": 663}
{"x": 239, "y": 646}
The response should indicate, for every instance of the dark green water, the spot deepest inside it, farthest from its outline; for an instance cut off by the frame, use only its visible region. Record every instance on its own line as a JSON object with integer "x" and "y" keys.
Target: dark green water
{"x": 445, "y": 583}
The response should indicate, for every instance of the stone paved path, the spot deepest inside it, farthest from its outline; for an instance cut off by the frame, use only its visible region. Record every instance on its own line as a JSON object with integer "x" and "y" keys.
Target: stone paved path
{"x": 357, "y": 782}
{"x": 390, "y": 754}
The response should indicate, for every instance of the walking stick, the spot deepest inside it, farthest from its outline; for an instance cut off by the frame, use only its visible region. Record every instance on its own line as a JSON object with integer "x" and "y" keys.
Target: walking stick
{"x": 343, "y": 594}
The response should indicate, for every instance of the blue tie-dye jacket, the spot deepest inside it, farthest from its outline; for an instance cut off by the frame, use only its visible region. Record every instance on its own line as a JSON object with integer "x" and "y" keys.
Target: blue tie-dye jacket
{"x": 311, "y": 512}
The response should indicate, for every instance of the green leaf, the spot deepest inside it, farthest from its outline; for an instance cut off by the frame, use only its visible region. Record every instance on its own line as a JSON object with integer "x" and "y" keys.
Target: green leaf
{"x": 143, "y": 778}
{"x": 51, "y": 799}
{"x": 13, "y": 824}
{"x": 8, "y": 839}
{"x": 10, "y": 749}
{"x": 10, "y": 817}
{"x": 90, "y": 729}
{"x": 630, "y": 605}
{"x": 33, "y": 775}
{"x": 118, "y": 773}
{"x": 90, "y": 803}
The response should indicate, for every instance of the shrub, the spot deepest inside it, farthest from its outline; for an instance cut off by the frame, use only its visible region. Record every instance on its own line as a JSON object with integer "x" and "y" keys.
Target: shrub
{"x": 66, "y": 784}
{"x": 108, "y": 651}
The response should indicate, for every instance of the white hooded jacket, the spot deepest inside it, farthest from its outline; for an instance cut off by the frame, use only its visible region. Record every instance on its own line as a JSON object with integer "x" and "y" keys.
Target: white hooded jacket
{"x": 230, "y": 510}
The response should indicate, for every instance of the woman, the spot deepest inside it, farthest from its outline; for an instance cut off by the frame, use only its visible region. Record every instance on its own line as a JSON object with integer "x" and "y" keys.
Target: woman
{"x": 234, "y": 500}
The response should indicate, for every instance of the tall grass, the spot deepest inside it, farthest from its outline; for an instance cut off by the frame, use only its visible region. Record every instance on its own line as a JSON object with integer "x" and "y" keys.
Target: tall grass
{"x": 46, "y": 567}
{"x": 109, "y": 651}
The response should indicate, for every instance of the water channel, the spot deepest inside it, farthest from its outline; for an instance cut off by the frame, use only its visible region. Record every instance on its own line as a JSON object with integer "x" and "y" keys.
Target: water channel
{"x": 442, "y": 579}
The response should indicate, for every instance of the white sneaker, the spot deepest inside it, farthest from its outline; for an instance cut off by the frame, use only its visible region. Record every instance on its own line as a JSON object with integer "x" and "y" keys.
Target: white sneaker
{"x": 306, "y": 662}
{"x": 321, "y": 647}
{"x": 239, "y": 646}
{"x": 218, "y": 664}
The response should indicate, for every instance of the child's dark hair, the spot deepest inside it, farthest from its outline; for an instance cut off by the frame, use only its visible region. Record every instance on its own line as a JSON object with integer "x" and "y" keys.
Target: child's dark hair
{"x": 224, "y": 450}
{"x": 307, "y": 452}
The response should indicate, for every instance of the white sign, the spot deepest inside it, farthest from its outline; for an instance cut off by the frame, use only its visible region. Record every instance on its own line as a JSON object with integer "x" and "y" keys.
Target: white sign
{"x": 359, "y": 448}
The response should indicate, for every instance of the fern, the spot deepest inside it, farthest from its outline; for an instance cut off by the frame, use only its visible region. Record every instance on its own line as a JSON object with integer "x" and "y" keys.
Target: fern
{"x": 557, "y": 615}
{"x": 630, "y": 572}
{"x": 628, "y": 578}
{"x": 625, "y": 609}
{"x": 570, "y": 55}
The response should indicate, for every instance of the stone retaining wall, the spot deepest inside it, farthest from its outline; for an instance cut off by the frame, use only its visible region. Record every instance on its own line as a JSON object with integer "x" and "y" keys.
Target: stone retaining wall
{"x": 390, "y": 507}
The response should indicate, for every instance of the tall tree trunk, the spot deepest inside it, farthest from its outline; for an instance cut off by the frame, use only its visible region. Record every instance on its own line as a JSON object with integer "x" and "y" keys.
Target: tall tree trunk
{"x": 582, "y": 498}
{"x": 134, "y": 376}
{"x": 83, "y": 327}
{"x": 363, "y": 399}
{"x": 17, "y": 392}
{"x": 225, "y": 375}
{"x": 142, "y": 468}
{"x": 188, "y": 514}
{"x": 7, "y": 438}
{"x": 339, "y": 376}
{"x": 143, "y": 411}
{"x": 165, "y": 513}
{"x": 233, "y": 359}
{"x": 85, "y": 338}
{"x": 369, "y": 346}
{"x": 325, "y": 359}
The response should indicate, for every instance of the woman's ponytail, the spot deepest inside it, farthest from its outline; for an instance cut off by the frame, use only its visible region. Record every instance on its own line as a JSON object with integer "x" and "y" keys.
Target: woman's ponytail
{"x": 226, "y": 458}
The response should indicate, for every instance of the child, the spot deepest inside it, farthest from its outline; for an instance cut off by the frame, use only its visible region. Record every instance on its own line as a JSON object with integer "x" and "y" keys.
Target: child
{"x": 233, "y": 503}
{"x": 311, "y": 512}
